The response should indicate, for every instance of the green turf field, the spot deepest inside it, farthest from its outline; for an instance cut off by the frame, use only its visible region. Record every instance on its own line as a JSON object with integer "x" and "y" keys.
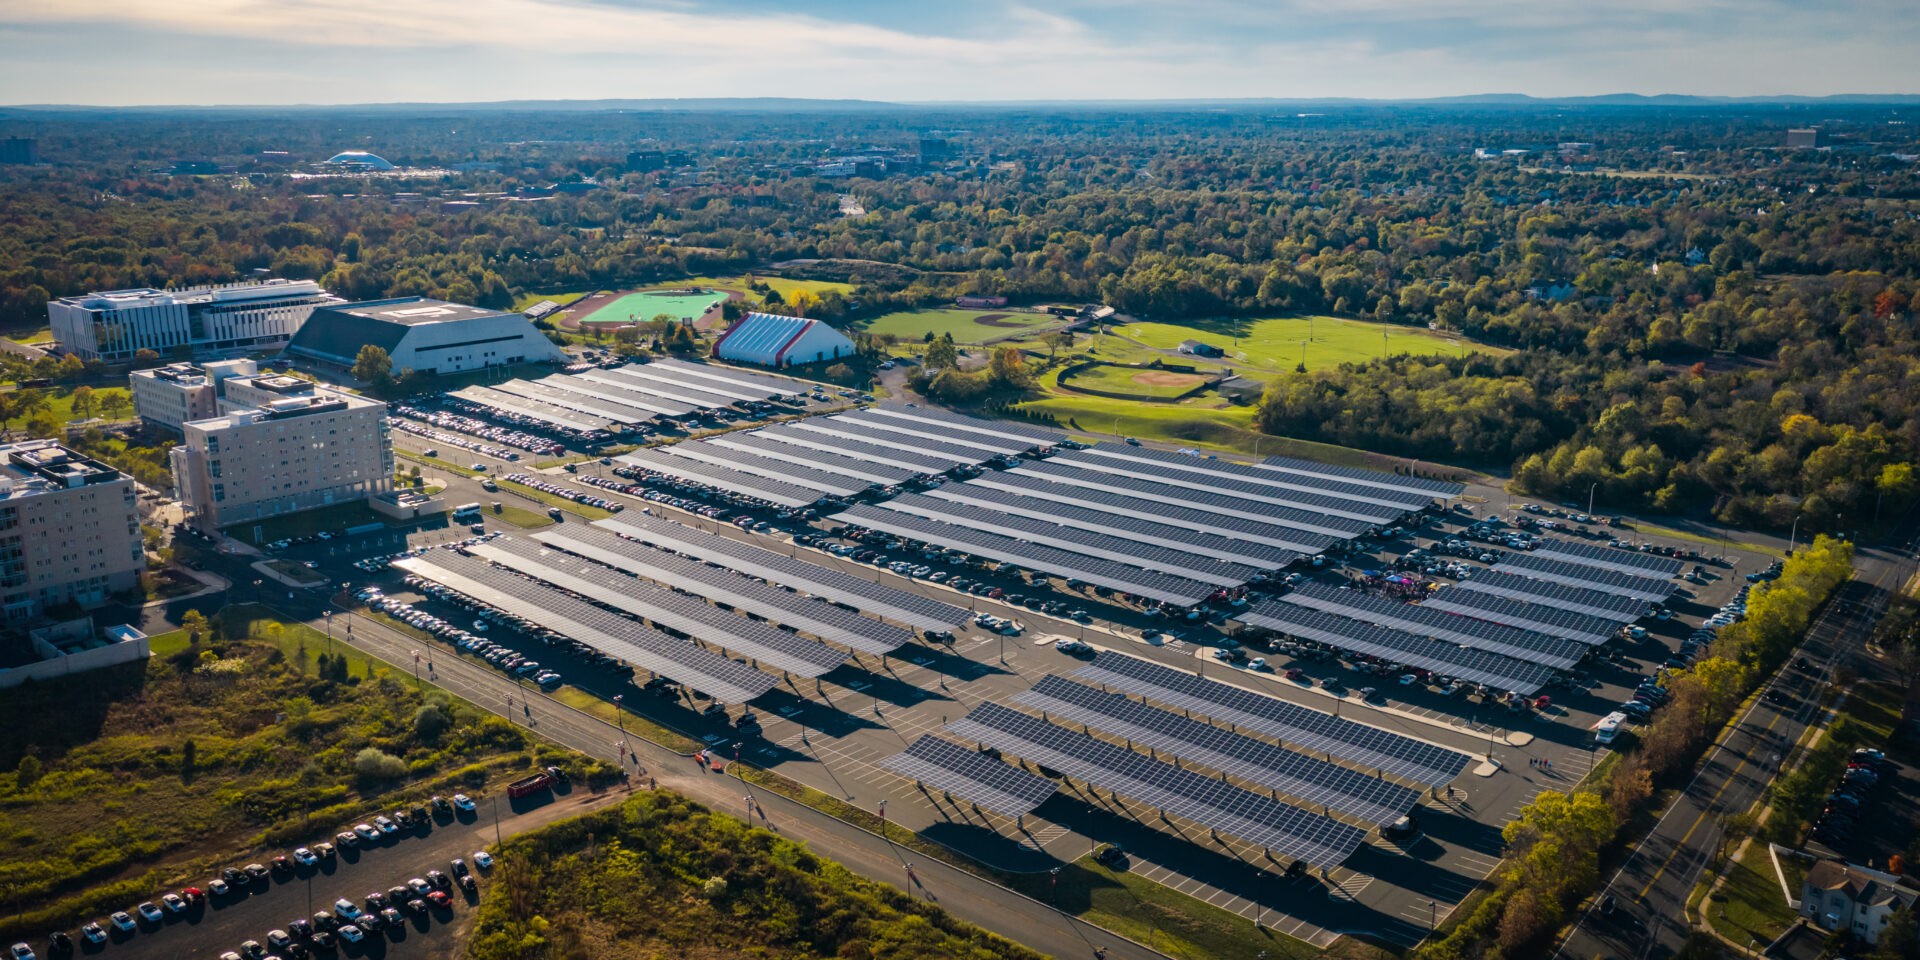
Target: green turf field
{"x": 1140, "y": 383}
{"x": 644, "y": 306}
{"x": 963, "y": 324}
{"x": 1275, "y": 342}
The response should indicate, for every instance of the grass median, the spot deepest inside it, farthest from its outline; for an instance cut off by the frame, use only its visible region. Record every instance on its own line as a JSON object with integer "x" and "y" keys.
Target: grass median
{"x": 554, "y": 500}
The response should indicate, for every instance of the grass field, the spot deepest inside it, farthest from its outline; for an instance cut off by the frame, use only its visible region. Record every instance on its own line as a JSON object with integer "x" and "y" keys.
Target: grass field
{"x": 1751, "y": 906}
{"x": 1201, "y": 422}
{"x": 526, "y": 300}
{"x": 585, "y": 510}
{"x": 1144, "y": 383}
{"x": 782, "y": 285}
{"x": 522, "y": 518}
{"x": 644, "y": 306}
{"x": 914, "y": 325}
{"x": 1275, "y": 342}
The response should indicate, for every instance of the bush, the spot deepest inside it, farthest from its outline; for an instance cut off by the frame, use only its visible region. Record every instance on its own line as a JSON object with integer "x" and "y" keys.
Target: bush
{"x": 374, "y": 764}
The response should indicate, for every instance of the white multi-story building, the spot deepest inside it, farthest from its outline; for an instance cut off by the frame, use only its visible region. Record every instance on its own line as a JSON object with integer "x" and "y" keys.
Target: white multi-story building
{"x": 69, "y": 530}
{"x": 281, "y": 445}
{"x": 170, "y": 396}
{"x": 113, "y": 325}
{"x": 430, "y": 336}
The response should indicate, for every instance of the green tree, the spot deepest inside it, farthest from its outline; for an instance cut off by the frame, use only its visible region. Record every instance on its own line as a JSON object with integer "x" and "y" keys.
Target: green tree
{"x": 189, "y": 754}
{"x": 1008, "y": 368}
{"x": 115, "y": 405}
{"x": 195, "y": 624}
{"x": 373, "y": 765}
{"x": 942, "y": 354}
{"x": 27, "y": 773}
{"x": 372, "y": 365}
{"x": 84, "y": 402}
{"x": 839, "y": 372}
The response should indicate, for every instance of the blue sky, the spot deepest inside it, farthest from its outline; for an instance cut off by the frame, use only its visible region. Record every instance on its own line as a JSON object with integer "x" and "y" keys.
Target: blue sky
{"x": 351, "y": 51}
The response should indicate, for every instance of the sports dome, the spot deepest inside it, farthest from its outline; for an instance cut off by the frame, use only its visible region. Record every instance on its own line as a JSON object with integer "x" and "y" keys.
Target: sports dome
{"x": 360, "y": 158}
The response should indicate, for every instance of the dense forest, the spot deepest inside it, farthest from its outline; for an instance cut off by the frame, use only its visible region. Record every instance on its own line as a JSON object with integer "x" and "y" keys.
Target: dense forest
{"x": 1700, "y": 318}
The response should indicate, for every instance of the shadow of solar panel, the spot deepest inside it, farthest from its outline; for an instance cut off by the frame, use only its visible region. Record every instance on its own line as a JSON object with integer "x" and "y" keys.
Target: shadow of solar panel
{"x": 973, "y": 776}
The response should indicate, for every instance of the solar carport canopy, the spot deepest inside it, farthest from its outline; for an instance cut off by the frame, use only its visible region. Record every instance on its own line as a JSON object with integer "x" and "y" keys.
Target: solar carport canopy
{"x": 1308, "y": 779}
{"x": 1557, "y": 652}
{"x": 754, "y": 639}
{"x": 990, "y": 784}
{"x": 822, "y": 619}
{"x": 568, "y": 400}
{"x": 1281, "y": 828}
{"x": 1363, "y": 746}
{"x": 992, "y": 446}
{"x": 1235, "y": 474}
{"x": 1398, "y": 646}
{"x": 1646, "y": 588}
{"x": 1260, "y": 523}
{"x": 1141, "y": 551}
{"x": 616, "y": 636}
{"x": 643, "y": 379}
{"x": 867, "y": 472}
{"x": 601, "y": 385}
{"x": 724, "y": 478}
{"x": 736, "y": 392}
{"x": 792, "y": 434}
{"x": 544, "y": 412}
{"x": 1609, "y": 558}
{"x": 1257, "y": 505}
{"x": 767, "y": 468}
{"x": 1540, "y": 617}
{"x": 920, "y": 445}
{"x": 901, "y": 606}
{"x": 1185, "y": 539}
{"x": 1364, "y": 477}
{"x": 1517, "y": 586}
{"x": 1161, "y": 587}
{"x": 1034, "y": 437}
{"x": 774, "y": 386}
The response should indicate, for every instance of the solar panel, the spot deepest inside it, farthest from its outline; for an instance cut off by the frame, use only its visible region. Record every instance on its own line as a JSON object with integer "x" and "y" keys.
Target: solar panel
{"x": 1557, "y": 652}
{"x": 602, "y": 385}
{"x": 543, "y": 412}
{"x": 1329, "y": 516}
{"x": 644, "y": 379}
{"x": 756, "y": 640}
{"x": 739, "y": 591}
{"x": 737, "y": 393}
{"x": 923, "y": 446}
{"x": 1106, "y": 573}
{"x": 642, "y": 646}
{"x": 1309, "y": 780}
{"x": 1141, "y": 552}
{"x": 939, "y": 433}
{"x": 1609, "y": 558}
{"x": 1399, "y": 646}
{"x": 568, "y": 400}
{"x": 1538, "y": 617}
{"x": 1361, "y": 475}
{"x": 1516, "y": 586}
{"x": 1278, "y": 526}
{"x": 792, "y": 435}
{"x": 1593, "y": 578}
{"x": 726, "y": 458}
{"x": 1281, "y": 828}
{"x": 1231, "y": 475}
{"x": 1366, "y": 747}
{"x": 1198, "y": 542}
{"x": 948, "y": 420}
{"x": 902, "y": 606}
{"x": 1171, "y": 475}
{"x": 866, "y": 471}
{"x": 724, "y": 478}
{"x": 775, "y": 386}
{"x": 987, "y": 783}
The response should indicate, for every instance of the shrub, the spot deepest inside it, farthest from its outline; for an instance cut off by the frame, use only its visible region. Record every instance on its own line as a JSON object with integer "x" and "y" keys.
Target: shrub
{"x": 374, "y": 764}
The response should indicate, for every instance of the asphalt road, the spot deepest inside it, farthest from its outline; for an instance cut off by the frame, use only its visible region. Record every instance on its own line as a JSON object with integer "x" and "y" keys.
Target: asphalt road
{"x": 1651, "y": 888}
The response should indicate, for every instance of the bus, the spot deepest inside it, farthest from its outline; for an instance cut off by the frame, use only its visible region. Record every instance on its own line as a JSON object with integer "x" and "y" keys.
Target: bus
{"x": 1609, "y": 727}
{"x": 467, "y": 512}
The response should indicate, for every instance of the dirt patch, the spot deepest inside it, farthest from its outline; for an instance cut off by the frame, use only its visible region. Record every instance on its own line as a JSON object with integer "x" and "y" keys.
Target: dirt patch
{"x": 1167, "y": 378}
{"x": 996, "y": 320}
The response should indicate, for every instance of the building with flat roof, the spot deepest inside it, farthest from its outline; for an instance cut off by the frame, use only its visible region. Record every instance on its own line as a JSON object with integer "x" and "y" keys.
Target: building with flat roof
{"x": 281, "y": 445}
{"x": 113, "y": 325}
{"x": 1806, "y": 138}
{"x": 170, "y": 396}
{"x": 431, "y": 336}
{"x": 772, "y": 340}
{"x": 69, "y": 530}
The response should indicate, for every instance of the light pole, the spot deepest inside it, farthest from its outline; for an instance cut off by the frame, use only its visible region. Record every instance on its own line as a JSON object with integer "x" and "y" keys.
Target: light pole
{"x": 330, "y": 632}
{"x": 1591, "y": 489}
{"x": 1793, "y": 537}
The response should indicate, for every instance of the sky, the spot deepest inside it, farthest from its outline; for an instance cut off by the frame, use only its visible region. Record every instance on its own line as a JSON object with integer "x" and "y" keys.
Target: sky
{"x": 121, "y": 52}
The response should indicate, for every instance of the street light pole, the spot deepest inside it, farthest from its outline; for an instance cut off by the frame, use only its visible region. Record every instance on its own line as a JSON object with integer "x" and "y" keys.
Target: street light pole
{"x": 1794, "y": 536}
{"x": 330, "y": 632}
{"x": 1591, "y": 489}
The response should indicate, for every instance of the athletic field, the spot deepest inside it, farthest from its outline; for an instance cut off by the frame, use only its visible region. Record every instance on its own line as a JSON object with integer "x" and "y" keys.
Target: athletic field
{"x": 1275, "y": 343}
{"x": 1139, "y": 383}
{"x": 967, "y": 326}
{"x": 644, "y": 306}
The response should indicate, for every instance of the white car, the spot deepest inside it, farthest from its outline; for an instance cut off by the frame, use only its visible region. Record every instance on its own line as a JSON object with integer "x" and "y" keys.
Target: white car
{"x": 346, "y": 909}
{"x": 366, "y": 832}
{"x": 483, "y": 859}
{"x": 350, "y": 933}
{"x": 463, "y": 802}
{"x": 123, "y": 921}
{"x": 22, "y": 952}
{"x": 305, "y": 857}
{"x": 1408, "y": 679}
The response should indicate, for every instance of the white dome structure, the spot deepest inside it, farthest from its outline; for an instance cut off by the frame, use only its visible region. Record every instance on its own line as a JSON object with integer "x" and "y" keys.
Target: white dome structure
{"x": 360, "y": 158}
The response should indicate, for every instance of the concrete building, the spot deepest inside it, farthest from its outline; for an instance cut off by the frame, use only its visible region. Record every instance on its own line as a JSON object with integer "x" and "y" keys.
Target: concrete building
{"x": 1841, "y": 896}
{"x": 69, "y": 530}
{"x": 170, "y": 396}
{"x": 1806, "y": 138}
{"x": 76, "y": 646}
{"x": 281, "y": 445}
{"x": 772, "y": 340}
{"x": 113, "y": 325}
{"x": 431, "y": 336}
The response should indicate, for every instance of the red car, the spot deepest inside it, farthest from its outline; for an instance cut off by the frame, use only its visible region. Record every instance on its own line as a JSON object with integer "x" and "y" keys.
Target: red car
{"x": 439, "y": 898}
{"x": 193, "y": 894}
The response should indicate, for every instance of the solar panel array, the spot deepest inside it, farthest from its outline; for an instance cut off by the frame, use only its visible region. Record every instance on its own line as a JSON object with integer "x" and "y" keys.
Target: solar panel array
{"x": 990, "y": 784}
{"x": 1363, "y": 476}
{"x": 1281, "y": 828}
{"x": 1031, "y": 556}
{"x": 594, "y": 383}
{"x": 1369, "y": 748}
{"x": 1140, "y": 469}
{"x": 793, "y": 434}
{"x": 1609, "y": 558}
{"x": 1307, "y": 779}
{"x": 644, "y": 647}
{"x": 1538, "y": 617}
{"x": 1399, "y": 646}
{"x": 756, "y": 640}
{"x": 1260, "y": 523}
{"x": 902, "y": 606}
{"x": 850, "y": 427}
{"x": 544, "y": 412}
{"x": 766, "y": 468}
{"x": 727, "y": 389}
{"x": 822, "y": 619}
{"x": 643, "y": 379}
{"x": 724, "y": 478}
{"x": 1143, "y": 552}
{"x": 1324, "y": 520}
{"x": 1199, "y": 542}
{"x": 774, "y": 386}
{"x": 589, "y": 406}
{"x": 1228, "y": 475}
{"x": 866, "y": 471}
{"x": 948, "y": 420}
{"x": 1593, "y": 578}
{"x": 1519, "y": 586}
{"x": 1557, "y": 652}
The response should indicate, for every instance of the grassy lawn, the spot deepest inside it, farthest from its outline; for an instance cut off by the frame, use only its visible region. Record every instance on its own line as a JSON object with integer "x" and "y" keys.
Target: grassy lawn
{"x": 438, "y": 463}
{"x": 1201, "y": 422}
{"x": 564, "y": 298}
{"x": 1145, "y": 383}
{"x": 522, "y": 518}
{"x": 914, "y": 325}
{"x": 1274, "y": 343}
{"x": 295, "y": 572}
{"x": 42, "y": 335}
{"x": 60, "y": 402}
{"x": 1655, "y": 529}
{"x": 635, "y": 724}
{"x": 152, "y": 773}
{"x": 551, "y": 500}
{"x": 1750, "y": 905}
{"x": 334, "y": 518}
{"x": 783, "y": 285}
